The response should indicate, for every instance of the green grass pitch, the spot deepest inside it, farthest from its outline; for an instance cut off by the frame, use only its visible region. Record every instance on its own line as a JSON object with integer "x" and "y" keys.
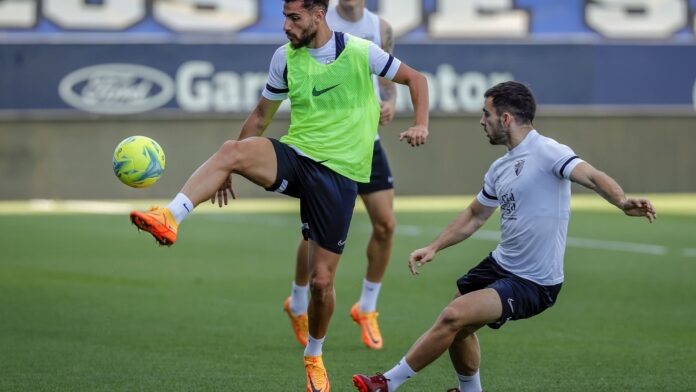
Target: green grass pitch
{"x": 89, "y": 304}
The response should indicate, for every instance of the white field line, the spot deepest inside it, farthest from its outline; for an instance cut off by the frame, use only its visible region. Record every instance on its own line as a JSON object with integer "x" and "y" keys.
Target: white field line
{"x": 689, "y": 252}
{"x": 481, "y": 235}
{"x": 273, "y": 205}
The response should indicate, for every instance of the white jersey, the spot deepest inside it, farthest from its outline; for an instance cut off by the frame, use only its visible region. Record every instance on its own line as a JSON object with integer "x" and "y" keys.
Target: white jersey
{"x": 368, "y": 27}
{"x": 531, "y": 184}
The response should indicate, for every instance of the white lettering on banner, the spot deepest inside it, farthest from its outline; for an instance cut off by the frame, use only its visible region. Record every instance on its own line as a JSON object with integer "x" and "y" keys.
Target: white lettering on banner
{"x": 654, "y": 19}
{"x": 451, "y": 92}
{"x": 17, "y": 14}
{"x": 116, "y": 89}
{"x": 200, "y": 89}
{"x": 206, "y": 15}
{"x": 132, "y": 88}
{"x": 107, "y": 15}
{"x": 479, "y": 19}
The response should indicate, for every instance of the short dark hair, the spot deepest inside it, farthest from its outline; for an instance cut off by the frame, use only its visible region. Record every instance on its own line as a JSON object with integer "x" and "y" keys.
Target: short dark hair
{"x": 514, "y": 98}
{"x": 311, "y": 4}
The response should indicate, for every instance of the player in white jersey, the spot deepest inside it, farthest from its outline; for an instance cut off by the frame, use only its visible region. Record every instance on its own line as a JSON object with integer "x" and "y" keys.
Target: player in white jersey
{"x": 523, "y": 275}
{"x": 351, "y": 16}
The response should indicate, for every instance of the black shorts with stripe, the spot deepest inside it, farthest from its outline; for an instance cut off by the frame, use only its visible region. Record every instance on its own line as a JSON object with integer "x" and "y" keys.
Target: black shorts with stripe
{"x": 326, "y": 198}
{"x": 521, "y": 298}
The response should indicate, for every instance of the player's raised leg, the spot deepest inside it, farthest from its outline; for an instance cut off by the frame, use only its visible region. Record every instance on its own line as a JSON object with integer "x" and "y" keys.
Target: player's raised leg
{"x": 380, "y": 208}
{"x": 253, "y": 158}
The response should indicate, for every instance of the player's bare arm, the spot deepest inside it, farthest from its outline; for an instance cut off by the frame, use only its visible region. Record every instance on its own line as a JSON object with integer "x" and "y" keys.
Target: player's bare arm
{"x": 591, "y": 178}
{"x": 463, "y": 227}
{"x": 416, "y": 135}
{"x": 387, "y": 88}
{"x": 259, "y": 118}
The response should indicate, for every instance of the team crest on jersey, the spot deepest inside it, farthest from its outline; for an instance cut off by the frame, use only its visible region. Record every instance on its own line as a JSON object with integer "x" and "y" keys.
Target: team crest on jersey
{"x": 519, "y": 165}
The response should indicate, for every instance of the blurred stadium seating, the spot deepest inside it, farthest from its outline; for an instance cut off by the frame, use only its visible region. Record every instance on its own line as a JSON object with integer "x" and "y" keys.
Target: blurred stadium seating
{"x": 614, "y": 78}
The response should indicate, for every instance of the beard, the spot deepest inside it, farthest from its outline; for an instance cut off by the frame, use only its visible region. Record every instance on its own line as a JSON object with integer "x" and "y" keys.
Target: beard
{"x": 304, "y": 39}
{"x": 498, "y": 135}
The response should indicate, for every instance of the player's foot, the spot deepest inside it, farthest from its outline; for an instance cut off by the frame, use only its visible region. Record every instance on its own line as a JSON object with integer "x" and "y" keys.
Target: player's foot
{"x": 454, "y": 390}
{"x": 371, "y": 335}
{"x": 299, "y": 323}
{"x": 317, "y": 379}
{"x": 159, "y": 222}
{"x": 376, "y": 383}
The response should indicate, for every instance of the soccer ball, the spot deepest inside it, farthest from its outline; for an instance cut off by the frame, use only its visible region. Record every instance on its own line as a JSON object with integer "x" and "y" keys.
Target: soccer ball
{"x": 138, "y": 161}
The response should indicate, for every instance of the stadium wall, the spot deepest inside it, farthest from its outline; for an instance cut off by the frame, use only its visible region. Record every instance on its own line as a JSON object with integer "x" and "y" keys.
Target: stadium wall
{"x": 71, "y": 159}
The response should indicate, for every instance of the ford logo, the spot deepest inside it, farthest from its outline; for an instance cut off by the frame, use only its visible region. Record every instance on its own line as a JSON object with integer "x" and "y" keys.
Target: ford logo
{"x": 116, "y": 89}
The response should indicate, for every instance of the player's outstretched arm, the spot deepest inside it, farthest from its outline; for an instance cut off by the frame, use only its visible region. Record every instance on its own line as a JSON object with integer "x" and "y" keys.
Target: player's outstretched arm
{"x": 463, "y": 227}
{"x": 417, "y": 135}
{"x": 591, "y": 178}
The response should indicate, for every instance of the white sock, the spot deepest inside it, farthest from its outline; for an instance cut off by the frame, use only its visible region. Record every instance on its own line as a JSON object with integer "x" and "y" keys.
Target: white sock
{"x": 398, "y": 374}
{"x": 469, "y": 383}
{"x": 298, "y": 299}
{"x": 368, "y": 297}
{"x": 180, "y": 207}
{"x": 313, "y": 348}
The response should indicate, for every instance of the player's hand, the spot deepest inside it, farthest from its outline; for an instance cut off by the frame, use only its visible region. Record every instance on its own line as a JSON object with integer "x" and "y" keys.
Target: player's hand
{"x": 418, "y": 258}
{"x": 639, "y": 207}
{"x": 386, "y": 113}
{"x": 221, "y": 193}
{"x": 416, "y": 136}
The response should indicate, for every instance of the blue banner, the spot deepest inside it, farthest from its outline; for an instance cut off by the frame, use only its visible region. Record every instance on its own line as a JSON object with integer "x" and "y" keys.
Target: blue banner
{"x": 227, "y": 78}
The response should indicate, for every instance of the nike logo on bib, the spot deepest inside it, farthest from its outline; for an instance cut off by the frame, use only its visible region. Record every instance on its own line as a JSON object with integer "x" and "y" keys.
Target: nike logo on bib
{"x": 317, "y": 93}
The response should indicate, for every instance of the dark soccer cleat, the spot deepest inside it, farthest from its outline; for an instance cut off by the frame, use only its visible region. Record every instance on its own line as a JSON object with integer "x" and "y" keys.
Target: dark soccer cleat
{"x": 376, "y": 383}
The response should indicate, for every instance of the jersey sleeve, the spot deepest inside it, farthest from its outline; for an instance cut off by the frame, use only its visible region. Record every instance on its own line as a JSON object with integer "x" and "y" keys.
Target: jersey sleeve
{"x": 487, "y": 195}
{"x": 564, "y": 160}
{"x": 277, "y": 86}
{"x": 382, "y": 63}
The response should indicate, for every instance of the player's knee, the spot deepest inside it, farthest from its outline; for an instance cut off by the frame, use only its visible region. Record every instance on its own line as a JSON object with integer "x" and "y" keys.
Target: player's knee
{"x": 230, "y": 154}
{"x": 320, "y": 286}
{"x": 383, "y": 230}
{"x": 451, "y": 319}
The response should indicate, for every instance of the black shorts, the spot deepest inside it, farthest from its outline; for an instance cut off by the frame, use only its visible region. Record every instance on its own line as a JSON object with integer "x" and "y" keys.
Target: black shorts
{"x": 381, "y": 177}
{"x": 521, "y": 298}
{"x": 326, "y": 197}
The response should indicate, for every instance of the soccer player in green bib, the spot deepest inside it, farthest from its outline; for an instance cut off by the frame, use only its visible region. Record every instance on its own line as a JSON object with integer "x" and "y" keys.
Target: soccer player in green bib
{"x": 328, "y": 148}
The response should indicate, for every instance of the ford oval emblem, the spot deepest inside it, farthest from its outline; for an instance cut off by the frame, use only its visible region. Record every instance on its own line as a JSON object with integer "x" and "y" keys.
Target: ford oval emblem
{"x": 116, "y": 89}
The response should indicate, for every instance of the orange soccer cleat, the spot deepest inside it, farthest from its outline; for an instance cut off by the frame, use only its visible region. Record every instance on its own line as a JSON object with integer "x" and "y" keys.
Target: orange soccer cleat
{"x": 317, "y": 378}
{"x": 299, "y": 324}
{"x": 159, "y": 222}
{"x": 371, "y": 335}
